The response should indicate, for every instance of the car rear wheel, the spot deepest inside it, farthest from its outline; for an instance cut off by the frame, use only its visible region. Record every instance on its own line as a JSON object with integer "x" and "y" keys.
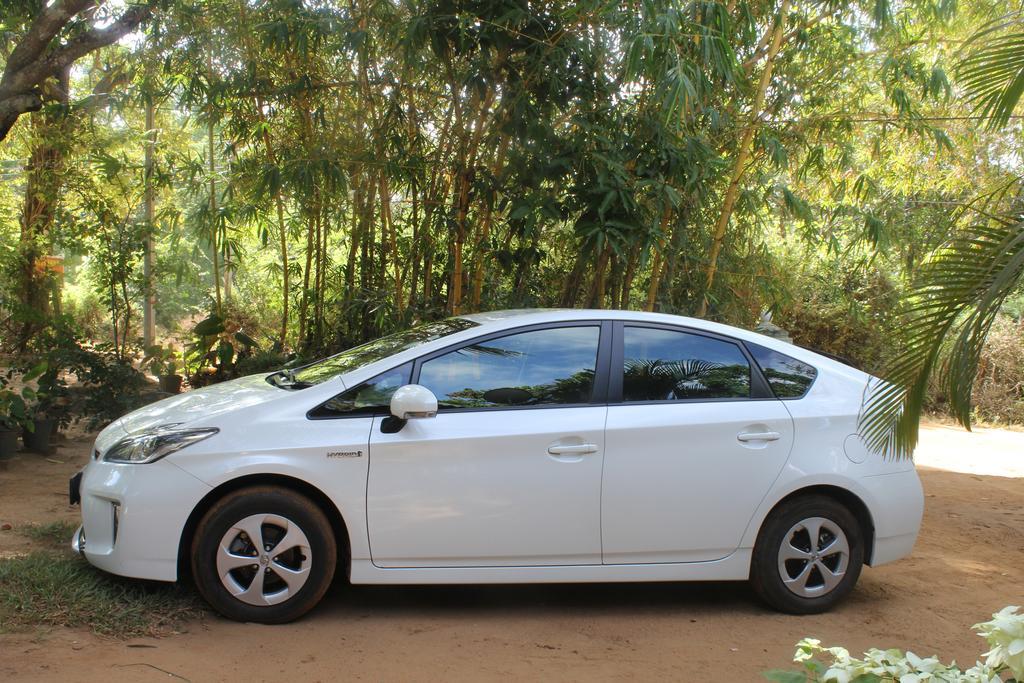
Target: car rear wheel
{"x": 808, "y": 555}
{"x": 264, "y": 554}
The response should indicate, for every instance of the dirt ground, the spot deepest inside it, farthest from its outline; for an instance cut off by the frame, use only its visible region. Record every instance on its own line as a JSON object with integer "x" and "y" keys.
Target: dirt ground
{"x": 968, "y": 563}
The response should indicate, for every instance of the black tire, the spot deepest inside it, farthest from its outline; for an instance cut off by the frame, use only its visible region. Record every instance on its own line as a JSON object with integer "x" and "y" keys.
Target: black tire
{"x": 318, "y": 566}
{"x": 766, "y": 567}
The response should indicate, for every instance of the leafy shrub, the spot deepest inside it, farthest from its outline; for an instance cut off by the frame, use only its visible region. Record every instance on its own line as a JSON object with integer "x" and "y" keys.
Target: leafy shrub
{"x": 88, "y": 315}
{"x": 14, "y": 403}
{"x": 106, "y": 386}
{"x": 1004, "y": 633}
{"x": 218, "y": 343}
{"x": 998, "y": 394}
{"x": 263, "y": 361}
{"x": 842, "y": 310}
{"x": 999, "y": 387}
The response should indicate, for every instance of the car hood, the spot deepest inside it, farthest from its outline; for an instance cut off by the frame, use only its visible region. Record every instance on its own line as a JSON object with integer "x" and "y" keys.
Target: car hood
{"x": 201, "y": 403}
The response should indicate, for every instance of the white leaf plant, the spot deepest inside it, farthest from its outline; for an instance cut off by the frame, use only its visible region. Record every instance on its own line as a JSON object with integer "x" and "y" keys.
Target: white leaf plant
{"x": 1004, "y": 633}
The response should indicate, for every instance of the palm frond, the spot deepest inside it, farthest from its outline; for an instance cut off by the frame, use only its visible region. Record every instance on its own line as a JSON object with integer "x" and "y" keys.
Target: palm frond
{"x": 956, "y": 298}
{"x": 992, "y": 69}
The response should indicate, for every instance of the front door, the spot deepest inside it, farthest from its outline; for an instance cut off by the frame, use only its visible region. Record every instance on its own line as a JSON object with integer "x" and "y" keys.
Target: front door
{"x": 509, "y": 471}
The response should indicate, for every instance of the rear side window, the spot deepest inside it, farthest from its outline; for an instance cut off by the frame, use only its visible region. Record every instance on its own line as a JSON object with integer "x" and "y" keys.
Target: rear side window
{"x": 788, "y": 377}
{"x": 665, "y": 365}
{"x": 536, "y": 368}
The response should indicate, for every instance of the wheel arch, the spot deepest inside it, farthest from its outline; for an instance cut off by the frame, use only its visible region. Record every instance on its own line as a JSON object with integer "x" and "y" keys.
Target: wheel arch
{"x": 845, "y": 497}
{"x": 338, "y": 525}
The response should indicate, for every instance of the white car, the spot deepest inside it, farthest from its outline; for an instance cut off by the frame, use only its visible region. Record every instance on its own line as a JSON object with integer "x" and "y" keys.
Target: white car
{"x": 507, "y": 447}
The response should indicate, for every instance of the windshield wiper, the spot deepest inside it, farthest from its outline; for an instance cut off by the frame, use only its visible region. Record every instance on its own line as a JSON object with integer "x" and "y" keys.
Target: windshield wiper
{"x": 285, "y": 379}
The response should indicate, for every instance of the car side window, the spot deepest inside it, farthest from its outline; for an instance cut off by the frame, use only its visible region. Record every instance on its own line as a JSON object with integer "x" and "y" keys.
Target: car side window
{"x": 668, "y": 365}
{"x": 372, "y": 397}
{"x": 552, "y": 366}
{"x": 787, "y": 376}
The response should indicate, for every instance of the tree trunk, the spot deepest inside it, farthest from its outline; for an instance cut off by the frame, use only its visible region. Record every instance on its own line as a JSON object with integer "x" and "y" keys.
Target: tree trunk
{"x": 149, "y": 293}
{"x": 42, "y": 191}
{"x": 597, "y": 287}
{"x": 627, "y": 278}
{"x": 485, "y": 226}
{"x": 214, "y": 227}
{"x": 385, "y": 192}
{"x": 657, "y": 268}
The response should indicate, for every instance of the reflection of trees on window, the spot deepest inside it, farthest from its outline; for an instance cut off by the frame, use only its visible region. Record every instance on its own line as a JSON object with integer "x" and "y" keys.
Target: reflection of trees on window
{"x": 671, "y": 365}
{"x": 379, "y": 349}
{"x": 372, "y": 397}
{"x": 788, "y": 377}
{"x": 540, "y": 367}
{"x": 570, "y": 390}
{"x": 655, "y": 379}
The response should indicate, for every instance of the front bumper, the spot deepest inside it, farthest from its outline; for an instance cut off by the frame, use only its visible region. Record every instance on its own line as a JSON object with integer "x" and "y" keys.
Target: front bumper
{"x": 78, "y": 541}
{"x": 133, "y": 517}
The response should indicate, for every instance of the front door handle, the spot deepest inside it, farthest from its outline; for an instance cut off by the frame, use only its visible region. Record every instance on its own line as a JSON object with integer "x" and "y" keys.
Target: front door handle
{"x": 759, "y": 436}
{"x": 573, "y": 449}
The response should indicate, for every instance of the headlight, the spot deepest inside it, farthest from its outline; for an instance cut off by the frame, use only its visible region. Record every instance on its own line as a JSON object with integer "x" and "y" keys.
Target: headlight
{"x": 154, "y": 444}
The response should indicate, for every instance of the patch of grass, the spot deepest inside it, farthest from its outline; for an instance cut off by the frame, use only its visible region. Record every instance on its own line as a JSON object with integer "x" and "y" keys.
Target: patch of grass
{"x": 54, "y": 533}
{"x": 60, "y": 589}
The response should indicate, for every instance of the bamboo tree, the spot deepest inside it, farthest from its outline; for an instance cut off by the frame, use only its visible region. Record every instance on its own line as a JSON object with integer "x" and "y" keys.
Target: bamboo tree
{"x": 742, "y": 155}
{"x": 149, "y": 295}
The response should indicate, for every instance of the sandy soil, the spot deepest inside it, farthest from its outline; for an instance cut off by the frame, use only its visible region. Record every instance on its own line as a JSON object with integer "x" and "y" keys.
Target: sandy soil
{"x": 969, "y": 562}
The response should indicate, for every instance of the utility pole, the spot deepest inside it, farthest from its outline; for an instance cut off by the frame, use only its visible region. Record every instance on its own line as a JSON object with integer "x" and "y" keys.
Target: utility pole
{"x": 149, "y": 302}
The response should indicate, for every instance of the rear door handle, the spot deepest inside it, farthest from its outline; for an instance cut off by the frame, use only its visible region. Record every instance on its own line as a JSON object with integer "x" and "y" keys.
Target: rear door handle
{"x": 759, "y": 436}
{"x": 574, "y": 449}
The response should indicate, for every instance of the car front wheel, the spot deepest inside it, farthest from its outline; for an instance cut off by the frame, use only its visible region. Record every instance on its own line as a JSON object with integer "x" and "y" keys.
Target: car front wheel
{"x": 264, "y": 554}
{"x": 808, "y": 555}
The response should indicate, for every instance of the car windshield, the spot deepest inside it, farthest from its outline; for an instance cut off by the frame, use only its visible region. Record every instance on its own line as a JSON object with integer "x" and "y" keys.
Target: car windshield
{"x": 367, "y": 353}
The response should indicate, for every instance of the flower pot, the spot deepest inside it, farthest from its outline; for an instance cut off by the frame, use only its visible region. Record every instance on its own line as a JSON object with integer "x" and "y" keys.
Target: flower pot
{"x": 38, "y": 441}
{"x": 170, "y": 384}
{"x": 8, "y": 442}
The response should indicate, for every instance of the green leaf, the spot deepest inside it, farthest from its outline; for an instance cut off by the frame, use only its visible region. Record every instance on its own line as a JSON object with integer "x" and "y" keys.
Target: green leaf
{"x": 209, "y": 326}
{"x": 782, "y": 676}
{"x": 225, "y": 354}
{"x": 36, "y": 371}
{"x": 246, "y": 339}
{"x": 956, "y": 297}
{"x": 992, "y": 70}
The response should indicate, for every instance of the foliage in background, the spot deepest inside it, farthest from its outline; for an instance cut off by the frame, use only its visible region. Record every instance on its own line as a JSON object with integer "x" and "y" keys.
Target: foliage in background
{"x": 998, "y": 394}
{"x": 324, "y": 173}
{"x": 960, "y": 290}
{"x": 74, "y": 379}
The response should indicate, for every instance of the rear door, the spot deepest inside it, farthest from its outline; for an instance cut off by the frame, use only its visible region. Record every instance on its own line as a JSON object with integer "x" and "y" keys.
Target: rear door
{"x": 690, "y": 450}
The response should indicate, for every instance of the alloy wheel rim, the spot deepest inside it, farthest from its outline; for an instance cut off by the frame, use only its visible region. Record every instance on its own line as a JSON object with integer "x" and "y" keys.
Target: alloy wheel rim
{"x": 813, "y": 557}
{"x": 264, "y": 559}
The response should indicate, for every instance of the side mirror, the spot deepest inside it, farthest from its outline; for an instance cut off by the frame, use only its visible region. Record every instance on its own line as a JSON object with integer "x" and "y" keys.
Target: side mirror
{"x": 413, "y": 401}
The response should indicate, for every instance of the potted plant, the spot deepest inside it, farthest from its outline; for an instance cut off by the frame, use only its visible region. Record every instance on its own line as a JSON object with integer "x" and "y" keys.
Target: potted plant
{"x": 48, "y": 410}
{"x": 163, "y": 362}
